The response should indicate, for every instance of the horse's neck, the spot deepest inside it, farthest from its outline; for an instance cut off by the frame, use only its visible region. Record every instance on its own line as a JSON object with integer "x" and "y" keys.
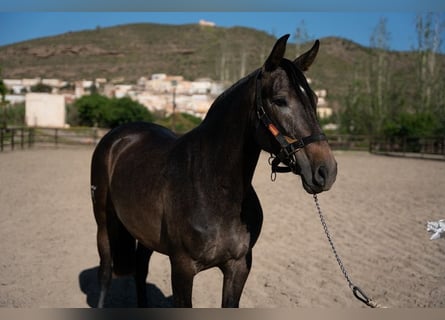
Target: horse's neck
{"x": 227, "y": 131}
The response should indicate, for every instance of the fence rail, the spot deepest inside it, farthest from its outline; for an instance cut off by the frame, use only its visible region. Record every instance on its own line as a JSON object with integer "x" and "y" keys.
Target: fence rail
{"x": 349, "y": 142}
{"x": 432, "y": 147}
{"x": 12, "y": 138}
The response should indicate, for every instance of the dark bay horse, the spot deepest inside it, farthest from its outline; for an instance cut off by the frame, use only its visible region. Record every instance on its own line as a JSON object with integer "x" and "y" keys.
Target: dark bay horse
{"x": 191, "y": 197}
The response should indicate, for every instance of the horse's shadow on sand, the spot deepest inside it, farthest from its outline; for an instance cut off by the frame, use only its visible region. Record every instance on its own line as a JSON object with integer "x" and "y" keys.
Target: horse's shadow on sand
{"x": 122, "y": 292}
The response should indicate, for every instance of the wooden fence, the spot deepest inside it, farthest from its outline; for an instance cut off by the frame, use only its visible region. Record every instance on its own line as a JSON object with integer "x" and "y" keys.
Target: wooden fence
{"x": 12, "y": 138}
{"x": 349, "y": 142}
{"x": 431, "y": 148}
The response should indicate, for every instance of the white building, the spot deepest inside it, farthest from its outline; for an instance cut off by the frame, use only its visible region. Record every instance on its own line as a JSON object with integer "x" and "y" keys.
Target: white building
{"x": 122, "y": 90}
{"x": 45, "y": 110}
{"x": 201, "y": 86}
{"x": 15, "y": 98}
{"x": 206, "y": 23}
{"x": 323, "y": 110}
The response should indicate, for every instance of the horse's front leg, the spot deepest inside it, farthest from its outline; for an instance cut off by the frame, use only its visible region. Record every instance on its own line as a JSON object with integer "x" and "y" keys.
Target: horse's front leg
{"x": 235, "y": 276}
{"x": 182, "y": 274}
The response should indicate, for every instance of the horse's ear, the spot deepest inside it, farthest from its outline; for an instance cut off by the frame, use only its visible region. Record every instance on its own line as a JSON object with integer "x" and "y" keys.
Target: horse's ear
{"x": 304, "y": 61}
{"x": 273, "y": 61}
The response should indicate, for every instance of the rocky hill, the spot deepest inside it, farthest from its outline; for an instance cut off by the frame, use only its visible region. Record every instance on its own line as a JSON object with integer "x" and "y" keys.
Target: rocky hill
{"x": 128, "y": 52}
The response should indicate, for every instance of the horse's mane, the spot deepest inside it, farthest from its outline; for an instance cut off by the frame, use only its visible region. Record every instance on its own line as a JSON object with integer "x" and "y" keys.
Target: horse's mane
{"x": 295, "y": 75}
{"x": 234, "y": 86}
{"x": 214, "y": 107}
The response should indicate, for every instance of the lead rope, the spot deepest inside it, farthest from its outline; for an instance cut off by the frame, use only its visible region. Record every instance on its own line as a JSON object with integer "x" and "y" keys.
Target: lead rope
{"x": 358, "y": 293}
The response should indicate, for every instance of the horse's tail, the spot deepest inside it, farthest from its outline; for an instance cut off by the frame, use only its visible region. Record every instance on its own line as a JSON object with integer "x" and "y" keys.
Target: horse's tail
{"x": 117, "y": 248}
{"x": 122, "y": 245}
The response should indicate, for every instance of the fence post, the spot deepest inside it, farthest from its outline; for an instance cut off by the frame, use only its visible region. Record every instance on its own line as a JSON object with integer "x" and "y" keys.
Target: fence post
{"x": 30, "y": 137}
{"x": 22, "y": 138}
{"x": 95, "y": 136}
{"x": 404, "y": 141}
{"x": 12, "y": 138}
{"x": 56, "y": 137}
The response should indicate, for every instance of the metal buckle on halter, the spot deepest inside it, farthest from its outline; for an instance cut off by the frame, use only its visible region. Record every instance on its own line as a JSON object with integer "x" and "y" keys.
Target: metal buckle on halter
{"x": 291, "y": 149}
{"x": 260, "y": 112}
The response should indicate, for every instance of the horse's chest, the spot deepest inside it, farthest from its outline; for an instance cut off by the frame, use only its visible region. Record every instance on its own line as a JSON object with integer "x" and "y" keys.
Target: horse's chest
{"x": 213, "y": 244}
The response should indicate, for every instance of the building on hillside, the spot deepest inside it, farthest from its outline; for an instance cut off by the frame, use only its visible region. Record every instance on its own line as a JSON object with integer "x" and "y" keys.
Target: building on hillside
{"x": 18, "y": 86}
{"x": 15, "y": 86}
{"x": 31, "y": 82}
{"x": 201, "y": 86}
{"x": 54, "y": 83}
{"x": 154, "y": 102}
{"x": 206, "y": 23}
{"x": 323, "y": 109}
{"x": 15, "y": 98}
{"x": 123, "y": 90}
{"x": 82, "y": 87}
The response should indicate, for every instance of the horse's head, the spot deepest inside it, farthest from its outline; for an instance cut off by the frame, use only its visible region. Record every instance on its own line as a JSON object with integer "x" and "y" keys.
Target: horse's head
{"x": 288, "y": 125}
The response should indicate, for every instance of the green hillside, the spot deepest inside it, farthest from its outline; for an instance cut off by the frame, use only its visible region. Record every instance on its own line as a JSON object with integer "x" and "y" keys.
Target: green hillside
{"x": 128, "y": 52}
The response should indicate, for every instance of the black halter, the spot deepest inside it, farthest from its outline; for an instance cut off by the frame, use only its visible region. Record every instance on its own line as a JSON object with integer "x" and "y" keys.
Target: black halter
{"x": 289, "y": 146}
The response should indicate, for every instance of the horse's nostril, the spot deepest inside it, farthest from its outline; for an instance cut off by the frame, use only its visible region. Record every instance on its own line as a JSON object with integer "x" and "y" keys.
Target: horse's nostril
{"x": 320, "y": 176}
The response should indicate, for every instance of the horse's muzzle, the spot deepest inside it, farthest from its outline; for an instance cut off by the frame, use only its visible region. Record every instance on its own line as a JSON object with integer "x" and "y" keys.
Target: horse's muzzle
{"x": 320, "y": 174}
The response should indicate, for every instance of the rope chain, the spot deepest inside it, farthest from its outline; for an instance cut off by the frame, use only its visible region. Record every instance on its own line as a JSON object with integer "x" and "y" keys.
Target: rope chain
{"x": 358, "y": 293}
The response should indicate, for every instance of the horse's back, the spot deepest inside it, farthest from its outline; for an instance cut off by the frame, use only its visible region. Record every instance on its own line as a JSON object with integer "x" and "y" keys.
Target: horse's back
{"x": 142, "y": 135}
{"x": 149, "y": 133}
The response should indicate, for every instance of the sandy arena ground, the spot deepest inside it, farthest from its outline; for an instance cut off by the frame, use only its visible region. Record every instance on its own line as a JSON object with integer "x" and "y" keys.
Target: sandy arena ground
{"x": 376, "y": 212}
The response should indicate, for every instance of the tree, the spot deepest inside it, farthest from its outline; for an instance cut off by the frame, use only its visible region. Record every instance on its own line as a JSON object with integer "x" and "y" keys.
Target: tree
{"x": 90, "y": 110}
{"x": 429, "y": 29}
{"x": 430, "y": 97}
{"x": 3, "y": 89}
{"x": 125, "y": 110}
{"x": 379, "y": 77}
{"x": 97, "y": 110}
{"x": 301, "y": 36}
{"x": 355, "y": 116}
{"x": 3, "y": 92}
{"x": 40, "y": 87}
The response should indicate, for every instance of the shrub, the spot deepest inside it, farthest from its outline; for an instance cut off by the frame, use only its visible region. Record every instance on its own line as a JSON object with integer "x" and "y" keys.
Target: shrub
{"x": 97, "y": 110}
{"x": 412, "y": 125}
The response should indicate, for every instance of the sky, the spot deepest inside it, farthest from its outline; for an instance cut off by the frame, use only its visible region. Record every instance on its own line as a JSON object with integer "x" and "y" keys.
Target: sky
{"x": 355, "y": 26}
{"x": 355, "y": 20}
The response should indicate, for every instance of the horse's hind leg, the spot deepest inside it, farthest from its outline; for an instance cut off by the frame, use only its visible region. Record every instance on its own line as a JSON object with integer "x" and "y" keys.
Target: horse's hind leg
{"x": 105, "y": 267}
{"x": 115, "y": 245}
{"x": 142, "y": 260}
{"x": 235, "y": 276}
{"x": 103, "y": 246}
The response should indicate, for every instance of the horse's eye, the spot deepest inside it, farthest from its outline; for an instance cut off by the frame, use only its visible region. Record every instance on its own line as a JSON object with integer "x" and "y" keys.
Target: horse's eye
{"x": 280, "y": 102}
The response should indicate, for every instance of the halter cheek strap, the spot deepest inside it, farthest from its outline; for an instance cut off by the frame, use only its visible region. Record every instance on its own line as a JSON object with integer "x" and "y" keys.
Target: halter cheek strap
{"x": 289, "y": 146}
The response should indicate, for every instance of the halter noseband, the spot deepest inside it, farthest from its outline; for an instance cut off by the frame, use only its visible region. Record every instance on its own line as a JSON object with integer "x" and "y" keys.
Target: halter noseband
{"x": 289, "y": 146}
